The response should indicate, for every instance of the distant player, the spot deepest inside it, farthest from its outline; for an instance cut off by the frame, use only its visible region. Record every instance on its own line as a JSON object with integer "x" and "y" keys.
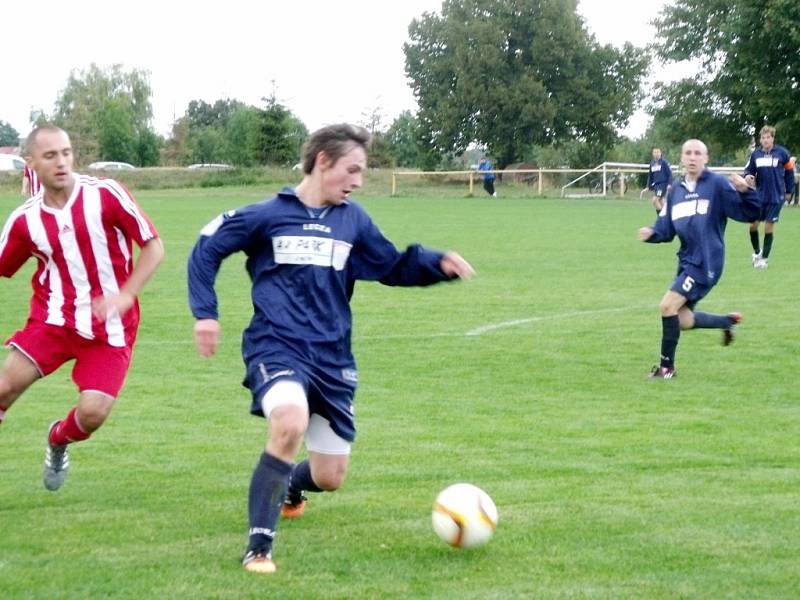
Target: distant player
{"x": 793, "y": 198}
{"x": 659, "y": 178}
{"x": 488, "y": 177}
{"x": 772, "y": 170}
{"x": 30, "y": 182}
{"x": 697, "y": 210}
{"x": 305, "y": 248}
{"x": 84, "y": 308}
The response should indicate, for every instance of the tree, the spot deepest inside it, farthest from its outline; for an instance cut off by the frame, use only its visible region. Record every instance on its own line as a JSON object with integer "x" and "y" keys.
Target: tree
{"x": 8, "y": 135}
{"x": 107, "y": 112}
{"x": 512, "y": 73}
{"x": 750, "y": 70}
{"x": 243, "y": 134}
{"x": 202, "y": 114}
{"x": 281, "y": 135}
{"x": 402, "y": 139}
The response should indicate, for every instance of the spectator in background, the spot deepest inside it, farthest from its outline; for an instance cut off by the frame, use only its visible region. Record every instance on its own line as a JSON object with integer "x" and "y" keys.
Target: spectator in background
{"x": 771, "y": 169}
{"x": 488, "y": 177}
{"x": 30, "y": 182}
{"x": 659, "y": 179}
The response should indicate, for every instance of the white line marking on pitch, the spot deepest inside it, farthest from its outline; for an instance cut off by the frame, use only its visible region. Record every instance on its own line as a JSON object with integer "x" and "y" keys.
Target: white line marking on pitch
{"x": 578, "y": 313}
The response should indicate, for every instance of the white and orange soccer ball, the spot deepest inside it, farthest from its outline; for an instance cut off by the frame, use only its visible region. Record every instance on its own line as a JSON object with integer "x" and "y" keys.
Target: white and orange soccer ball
{"x": 464, "y": 516}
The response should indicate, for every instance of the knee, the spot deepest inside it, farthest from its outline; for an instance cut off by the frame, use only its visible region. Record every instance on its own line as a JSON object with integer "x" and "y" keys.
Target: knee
{"x": 330, "y": 479}
{"x": 93, "y": 410}
{"x": 666, "y": 309}
{"x": 287, "y": 429}
{"x": 8, "y": 392}
{"x": 93, "y": 416}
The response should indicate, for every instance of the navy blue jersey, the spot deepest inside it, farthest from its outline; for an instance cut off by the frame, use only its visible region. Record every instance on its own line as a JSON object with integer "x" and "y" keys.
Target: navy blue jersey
{"x": 487, "y": 166}
{"x": 698, "y": 218}
{"x": 659, "y": 175}
{"x": 303, "y": 269}
{"x": 774, "y": 173}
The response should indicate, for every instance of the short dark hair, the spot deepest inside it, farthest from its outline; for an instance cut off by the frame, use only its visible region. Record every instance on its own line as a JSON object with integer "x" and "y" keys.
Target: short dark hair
{"x": 335, "y": 141}
{"x": 30, "y": 141}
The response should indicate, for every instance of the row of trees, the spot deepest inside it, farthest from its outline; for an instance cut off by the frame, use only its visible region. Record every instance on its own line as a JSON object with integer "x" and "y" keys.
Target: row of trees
{"x": 523, "y": 79}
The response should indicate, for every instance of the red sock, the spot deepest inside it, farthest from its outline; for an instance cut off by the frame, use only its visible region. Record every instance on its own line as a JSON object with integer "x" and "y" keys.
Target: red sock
{"x": 68, "y": 430}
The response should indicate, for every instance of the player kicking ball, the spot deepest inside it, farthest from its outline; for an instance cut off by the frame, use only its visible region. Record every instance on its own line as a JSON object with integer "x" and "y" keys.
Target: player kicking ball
{"x": 696, "y": 211}
{"x": 305, "y": 248}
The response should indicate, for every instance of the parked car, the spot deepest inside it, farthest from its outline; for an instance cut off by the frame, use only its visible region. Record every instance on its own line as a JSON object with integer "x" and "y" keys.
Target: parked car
{"x": 210, "y": 167}
{"x": 111, "y": 166}
{"x": 11, "y": 162}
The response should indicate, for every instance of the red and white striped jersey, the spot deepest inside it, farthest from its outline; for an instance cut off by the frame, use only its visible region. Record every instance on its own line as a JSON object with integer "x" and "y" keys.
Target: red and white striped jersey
{"x": 34, "y": 185}
{"x": 84, "y": 251}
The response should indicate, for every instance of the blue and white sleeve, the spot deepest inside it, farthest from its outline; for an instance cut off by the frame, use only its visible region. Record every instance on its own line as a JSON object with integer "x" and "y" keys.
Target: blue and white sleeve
{"x": 224, "y": 235}
{"x": 376, "y": 258}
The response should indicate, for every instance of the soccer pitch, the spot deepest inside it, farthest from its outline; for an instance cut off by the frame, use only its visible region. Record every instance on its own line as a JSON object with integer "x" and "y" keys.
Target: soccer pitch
{"x": 528, "y": 381}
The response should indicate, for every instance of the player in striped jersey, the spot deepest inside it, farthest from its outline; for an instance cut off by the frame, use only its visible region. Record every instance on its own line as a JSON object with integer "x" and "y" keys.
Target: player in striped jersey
{"x": 81, "y": 230}
{"x": 30, "y": 182}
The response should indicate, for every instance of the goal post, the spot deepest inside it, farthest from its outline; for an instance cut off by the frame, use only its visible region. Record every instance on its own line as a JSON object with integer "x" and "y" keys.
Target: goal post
{"x": 608, "y": 177}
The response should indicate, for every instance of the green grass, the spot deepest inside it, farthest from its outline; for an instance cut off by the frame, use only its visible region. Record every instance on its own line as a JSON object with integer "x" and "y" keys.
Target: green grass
{"x": 608, "y": 485}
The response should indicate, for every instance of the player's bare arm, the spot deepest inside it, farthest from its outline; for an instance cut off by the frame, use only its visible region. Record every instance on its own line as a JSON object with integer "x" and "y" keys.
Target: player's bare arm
{"x": 150, "y": 256}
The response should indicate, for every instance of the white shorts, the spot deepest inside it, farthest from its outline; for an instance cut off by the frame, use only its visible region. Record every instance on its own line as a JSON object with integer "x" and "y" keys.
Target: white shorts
{"x": 320, "y": 437}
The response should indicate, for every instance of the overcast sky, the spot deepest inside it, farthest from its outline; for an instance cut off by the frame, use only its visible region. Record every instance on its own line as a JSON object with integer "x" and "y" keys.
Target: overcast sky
{"x": 327, "y": 61}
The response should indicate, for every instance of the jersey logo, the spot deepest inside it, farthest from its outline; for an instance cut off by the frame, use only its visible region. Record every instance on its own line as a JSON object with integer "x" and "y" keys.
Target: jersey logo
{"x": 310, "y": 250}
{"x": 766, "y": 161}
{"x": 689, "y": 208}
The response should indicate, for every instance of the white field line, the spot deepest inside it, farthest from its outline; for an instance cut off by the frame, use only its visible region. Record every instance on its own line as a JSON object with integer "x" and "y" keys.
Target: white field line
{"x": 568, "y": 315}
{"x": 471, "y": 333}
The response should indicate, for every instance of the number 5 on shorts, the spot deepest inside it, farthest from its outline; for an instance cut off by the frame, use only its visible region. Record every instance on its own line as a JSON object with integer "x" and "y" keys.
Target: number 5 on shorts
{"x": 687, "y": 284}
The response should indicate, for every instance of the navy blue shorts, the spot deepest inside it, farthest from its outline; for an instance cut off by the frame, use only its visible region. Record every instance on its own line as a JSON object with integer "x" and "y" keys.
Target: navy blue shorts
{"x": 330, "y": 392}
{"x": 770, "y": 213}
{"x": 685, "y": 285}
{"x": 660, "y": 190}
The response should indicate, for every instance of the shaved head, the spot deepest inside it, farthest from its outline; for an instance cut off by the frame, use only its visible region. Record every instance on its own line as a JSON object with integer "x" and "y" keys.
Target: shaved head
{"x": 694, "y": 157}
{"x": 697, "y": 144}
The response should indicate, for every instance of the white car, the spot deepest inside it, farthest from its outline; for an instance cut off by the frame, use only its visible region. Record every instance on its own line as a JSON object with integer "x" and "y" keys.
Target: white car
{"x": 11, "y": 162}
{"x": 209, "y": 167}
{"x": 111, "y": 166}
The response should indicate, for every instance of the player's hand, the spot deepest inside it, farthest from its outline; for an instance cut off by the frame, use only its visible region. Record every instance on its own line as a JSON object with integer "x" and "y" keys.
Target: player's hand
{"x": 742, "y": 184}
{"x": 645, "y": 233}
{"x": 751, "y": 180}
{"x": 453, "y": 264}
{"x": 105, "y": 307}
{"x": 206, "y": 336}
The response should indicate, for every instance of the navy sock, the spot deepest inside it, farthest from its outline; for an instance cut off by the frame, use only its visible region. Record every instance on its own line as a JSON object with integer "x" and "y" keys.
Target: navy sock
{"x": 267, "y": 492}
{"x": 767, "y": 244}
{"x": 670, "y": 332}
{"x": 754, "y": 241}
{"x": 301, "y": 480}
{"x": 708, "y": 321}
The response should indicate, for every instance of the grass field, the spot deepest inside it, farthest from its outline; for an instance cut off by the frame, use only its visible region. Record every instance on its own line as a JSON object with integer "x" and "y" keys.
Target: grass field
{"x": 528, "y": 381}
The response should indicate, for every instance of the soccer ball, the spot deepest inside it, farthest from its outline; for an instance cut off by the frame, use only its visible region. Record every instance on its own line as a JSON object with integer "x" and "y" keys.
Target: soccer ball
{"x": 464, "y": 516}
